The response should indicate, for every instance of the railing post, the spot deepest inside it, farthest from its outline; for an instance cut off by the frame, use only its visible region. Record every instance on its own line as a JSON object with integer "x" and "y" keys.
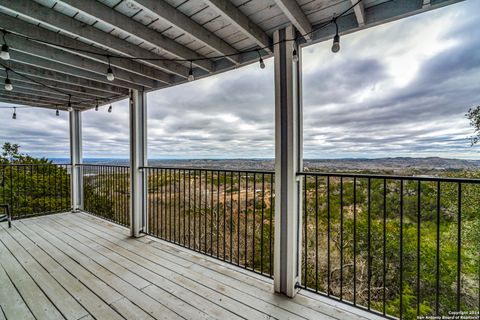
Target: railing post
{"x": 288, "y": 161}
{"x": 76, "y": 178}
{"x": 138, "y": 159}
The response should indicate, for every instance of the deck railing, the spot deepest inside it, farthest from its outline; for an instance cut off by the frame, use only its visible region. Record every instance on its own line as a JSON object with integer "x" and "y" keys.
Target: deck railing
{"x": 106, "y": 192}
{"x": 224, "y": 214}
{"x": 35, "y": 189}
{"x": 399, "y": 246}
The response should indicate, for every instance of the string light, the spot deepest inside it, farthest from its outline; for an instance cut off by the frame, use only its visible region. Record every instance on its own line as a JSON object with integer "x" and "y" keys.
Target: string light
{"x": 96, "y": 106}
{"x": 336, "y": 38}
{"x": 295, "y": 56}
{"x": 14, "y": 116}
{"x": 260, "y": 60}
{"x": 190, "y": 73}
{"x": 110, "y": 76}
{"x": 110, "y": 109}
{"x": 4, "y": 54}
{"x": 8, "y": 83}
{"x": 70, "y": 103}
{"x": 57, "y": 113}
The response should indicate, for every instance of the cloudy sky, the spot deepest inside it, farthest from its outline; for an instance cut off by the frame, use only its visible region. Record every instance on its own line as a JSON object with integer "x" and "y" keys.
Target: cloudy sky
{"x": 400, "y": 89}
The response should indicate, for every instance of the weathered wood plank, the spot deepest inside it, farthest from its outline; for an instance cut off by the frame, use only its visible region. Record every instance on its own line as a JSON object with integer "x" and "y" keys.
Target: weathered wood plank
{"x": 37, "y": 302}
{"x": 10, "y": 300}
{"x": 89, "y": 300}
{"x": 115, "y": 284}
{"x": 67, "y": 305}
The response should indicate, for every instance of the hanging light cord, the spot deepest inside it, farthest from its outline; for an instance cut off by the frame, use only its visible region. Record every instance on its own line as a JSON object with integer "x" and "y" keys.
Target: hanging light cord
{"x": 109, "y": 55}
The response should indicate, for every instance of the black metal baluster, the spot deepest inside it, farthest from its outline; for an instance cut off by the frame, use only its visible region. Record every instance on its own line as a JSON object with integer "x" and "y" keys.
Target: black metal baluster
{"x": 218, "y": 213}
{"x": 211, "y": 214}
{"x": 354, "y": 241}
{"x": 369, "y": 243}
{"x": 254, "y": 217}
{"x": 261, "y": 225}
{"x": 189, "y": 209}
{"x": 246, "y": 219}
{"x": 238, "y": 220}
{"x": 459, "y": 245}
{"x": 419, "y": 194}
{"x": 271, "y": 225}
{"x": 401, "y": 249}
{"x": 316, "y": 230}
{"x": 305, "y": 223}
{"x": 224, "y": 211}
{"x": 437, "y": 283}
{"x": 384, "y": 245}
{"x": 328, "y": 236}
{"x": 205, "y": 224}
{"x": 231, "y": 217}
{"x": 194, "y": 208}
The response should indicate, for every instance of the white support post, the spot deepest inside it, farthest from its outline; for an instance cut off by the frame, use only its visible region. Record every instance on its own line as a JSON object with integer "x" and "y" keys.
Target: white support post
{"x": 288, "y": 162}
{"x": 138, "y": 159}
{"x": 76, "y": 178}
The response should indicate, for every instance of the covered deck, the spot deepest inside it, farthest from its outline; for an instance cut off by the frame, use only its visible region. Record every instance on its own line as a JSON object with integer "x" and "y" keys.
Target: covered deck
{"x": 76, "y": 266}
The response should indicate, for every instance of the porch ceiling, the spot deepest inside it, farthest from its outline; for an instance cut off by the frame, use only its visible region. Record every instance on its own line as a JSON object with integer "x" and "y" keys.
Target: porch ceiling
{"x": 76, "y": 36}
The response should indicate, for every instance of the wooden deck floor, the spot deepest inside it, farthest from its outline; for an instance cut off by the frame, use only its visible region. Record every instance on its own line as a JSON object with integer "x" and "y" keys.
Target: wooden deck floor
{"x": 75, "y": 266}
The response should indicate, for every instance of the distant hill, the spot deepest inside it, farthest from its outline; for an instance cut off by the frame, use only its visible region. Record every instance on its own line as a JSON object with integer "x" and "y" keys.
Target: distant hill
{"x": 394, "y": 165}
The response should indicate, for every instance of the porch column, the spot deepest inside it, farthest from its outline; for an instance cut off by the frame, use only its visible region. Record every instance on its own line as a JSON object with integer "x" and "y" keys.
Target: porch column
{"x": 76, "y": 177}
{"x": 288, "y": 161}
{"x": 138, "y": 159}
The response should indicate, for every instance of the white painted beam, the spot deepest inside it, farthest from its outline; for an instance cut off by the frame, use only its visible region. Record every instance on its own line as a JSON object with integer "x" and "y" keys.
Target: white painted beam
{"x": 65, "y": 78}
{"x": 119, "y": 21}
{"x": 21, "y": 27}
{"x": 32, "y": 48}
{"x": 51, "y": 65}
{"x": 296, "y": 16}
{"x": 76, "y": 178}
{"x": 171, "y": 15}
{"x": 359, "y": 10}
{"x": 79, "y": 92}
{"x": 138, "y": 159}
{"x": 236, "y": 17}
{"x": 47, "y": 16}
{"x": 288, "y": 162}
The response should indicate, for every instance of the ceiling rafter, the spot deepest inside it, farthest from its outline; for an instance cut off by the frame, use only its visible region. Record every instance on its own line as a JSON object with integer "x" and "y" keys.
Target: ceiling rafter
{"x": 171, "y": 15}
{"x": 65, "y": 78}
{"x": 241, "y": 21}
{"x": 79, "y": 66}
{"x": 296, "y": 16}
{"x": 119, "y": 21}
{"x": 24, "y": 28}
{"x": 52, "y": 18}
{"x": 359, "y": 10}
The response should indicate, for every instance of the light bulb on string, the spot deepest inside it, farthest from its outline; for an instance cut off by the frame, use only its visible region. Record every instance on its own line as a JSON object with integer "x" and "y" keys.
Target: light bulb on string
{"x": 8, "y": 83}
{"x": 190, "y": 73}
{"x": 5, "y": 54}
{"x": 70, "y": 108}
{"x": 336, "y": 38}
{"x": 110, "y": 109}
{"x": 57, "y": 113}
{"x": 14, "y": 116}
{"x": 260, "y": 60}
{"x": 96, "y": 106}
{"x": 294, "y": 56}
{"x": 110, "y": 75}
